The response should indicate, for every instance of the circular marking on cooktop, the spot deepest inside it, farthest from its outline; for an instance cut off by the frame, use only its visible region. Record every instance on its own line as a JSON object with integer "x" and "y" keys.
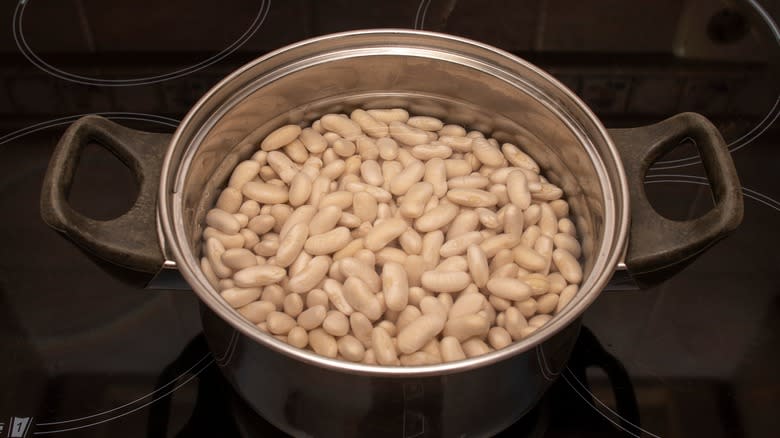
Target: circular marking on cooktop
{"x": 23, "y": 46}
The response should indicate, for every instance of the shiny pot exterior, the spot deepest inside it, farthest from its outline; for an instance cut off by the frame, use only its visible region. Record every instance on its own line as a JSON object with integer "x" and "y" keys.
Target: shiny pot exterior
{"x": 460, "y": 81}
{"x": 303, "y": 400}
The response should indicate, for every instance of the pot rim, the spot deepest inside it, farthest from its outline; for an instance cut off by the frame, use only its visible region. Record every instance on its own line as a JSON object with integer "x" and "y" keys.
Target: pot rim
{"x": 170, "y": 234}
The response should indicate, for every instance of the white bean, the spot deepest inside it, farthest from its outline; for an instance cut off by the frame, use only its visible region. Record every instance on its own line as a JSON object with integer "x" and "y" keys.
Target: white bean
{"x": 539, "y": 320}
{"x": 427, "y": 152}
{"x": 456, "y": 167}
{"x": 257, "y": 311}
{"x": 282, "y": 165}
{"x": 436, "y": 174}
{"x": 298, "y": 337}
{"x": 317, "y": 297}
{"x": 261, "y": 224}
{"x": 467, "y": 326}
{"x": 529, "y": 259}
{"x": 425, "y": 123}
{"x": 297, "y": 151}
{"x": 459, "y": 144}
{"x": 389, "y": 115}
{"x": 436, "y": 218}
{"x": 341, "y": 199}
{"x": 411, "y": 175}
{"x": 369, "y": 124}
{"x": 367, "y": 148}
{"x": 568, "y": 243}
{"x": 300, "y": 189}
{"x": 494, "y": 244}
{"x": 478, "y": 265}
{"x": 453, "y": 264}
{"x": 395, "y": 285}
{"x": 238, "y": 296}
{"x": 280, "y": 137}
{"x": 273, "y": 293}
{"x": 468, "y": 304}
{"x": 312, "y": 317}
{"x": 384, "y": 233}
{"x": 328, "y": 242}
{"x": 451, "y": 349}
{"x": 499, "y": 338}
{"x": 359, "y": 296}
{"x": 279, "y": 323}
{"x": 445, "y": 282}
{"x": 383, "y": 347}
{"x": 229, "y": 200}
{"x": 548, "y": 192}
{"x": 351, "y": 348}
{"x": 532, "y": 215}
{"x": 323, "y": 344}
{"x": 517, "y": 189}
{"x": 538, "y": 283}
{"x": 238, "y": 258}
{"x": 410, "y": 241}
{"x": 335, "y": 323}
{"x": 567, "y": 265}
{"x": 407, "y": 135}
{"x": 466, "y": 221}
{"x": 293, "y": 305}
{"x": 214, "y": 250}
{"x": 548, "y": 222}
{"x": 468, "y": 182}
{"x": 519, "y": 158}
{"x": 527, "y": 307}
{"x": 431, "y": 248}
{"x": 310, "y": 276}
{"x": 324, "y": 220}
{"x": 265, "y": 193}
{"x": 371, "y": 172}
{"x": 291, "y": 245}
{"x": 486, "y": 153}
{"x": 313, "y": 141}
{"x": 389, "y": 254}
{"x": 514, "y": 323}
{"x": 565, "y": 297}
{"x": 361, "y": 327}
{"x": 342, "y": 126}
{"x": 460, "y": 244}
{"x": 509, "y": 289}
{"x": 243, "y": 173}
{"x": 472, "y": 198}
{"x": 388, "y": 148}
{"x": 419, "y": 332}
{"x": 475, "y": 347}
{"x": 547, "y": 303}
{"x": 223, "y": 221}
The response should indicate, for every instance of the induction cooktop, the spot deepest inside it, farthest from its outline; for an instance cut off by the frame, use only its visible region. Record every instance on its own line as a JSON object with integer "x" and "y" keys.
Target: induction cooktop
{"x": 85, "y": 352}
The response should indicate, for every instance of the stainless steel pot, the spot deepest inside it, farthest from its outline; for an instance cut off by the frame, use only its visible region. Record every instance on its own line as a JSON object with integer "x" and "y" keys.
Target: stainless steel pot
{"x": 460, "y": 81}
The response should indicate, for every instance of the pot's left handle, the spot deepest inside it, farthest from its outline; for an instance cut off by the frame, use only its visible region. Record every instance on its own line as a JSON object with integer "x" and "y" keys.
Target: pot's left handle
{"x": 129, "y": 240}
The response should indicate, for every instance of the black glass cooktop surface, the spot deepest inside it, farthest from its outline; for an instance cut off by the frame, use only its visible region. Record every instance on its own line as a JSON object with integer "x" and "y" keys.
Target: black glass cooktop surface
{"x": 84, "y": 353}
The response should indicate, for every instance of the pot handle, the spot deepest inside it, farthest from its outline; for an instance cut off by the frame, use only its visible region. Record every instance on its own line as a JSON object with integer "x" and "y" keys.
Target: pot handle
{"x": 659, "y": 247}
{"x": 129, "y": 240}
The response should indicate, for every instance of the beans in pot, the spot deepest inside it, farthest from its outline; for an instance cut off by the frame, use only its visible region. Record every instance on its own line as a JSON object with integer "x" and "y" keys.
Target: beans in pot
{"x": 386, "y": 239}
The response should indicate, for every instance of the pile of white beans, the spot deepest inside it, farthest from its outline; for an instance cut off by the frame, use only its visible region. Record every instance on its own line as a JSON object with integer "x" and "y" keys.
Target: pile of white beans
{"x": 388, "y": 239}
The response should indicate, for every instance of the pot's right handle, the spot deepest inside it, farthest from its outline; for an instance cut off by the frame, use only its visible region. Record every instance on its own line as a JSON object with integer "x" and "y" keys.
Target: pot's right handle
{"x": 659, "y": 246}
{"x": 129, "y": 240}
